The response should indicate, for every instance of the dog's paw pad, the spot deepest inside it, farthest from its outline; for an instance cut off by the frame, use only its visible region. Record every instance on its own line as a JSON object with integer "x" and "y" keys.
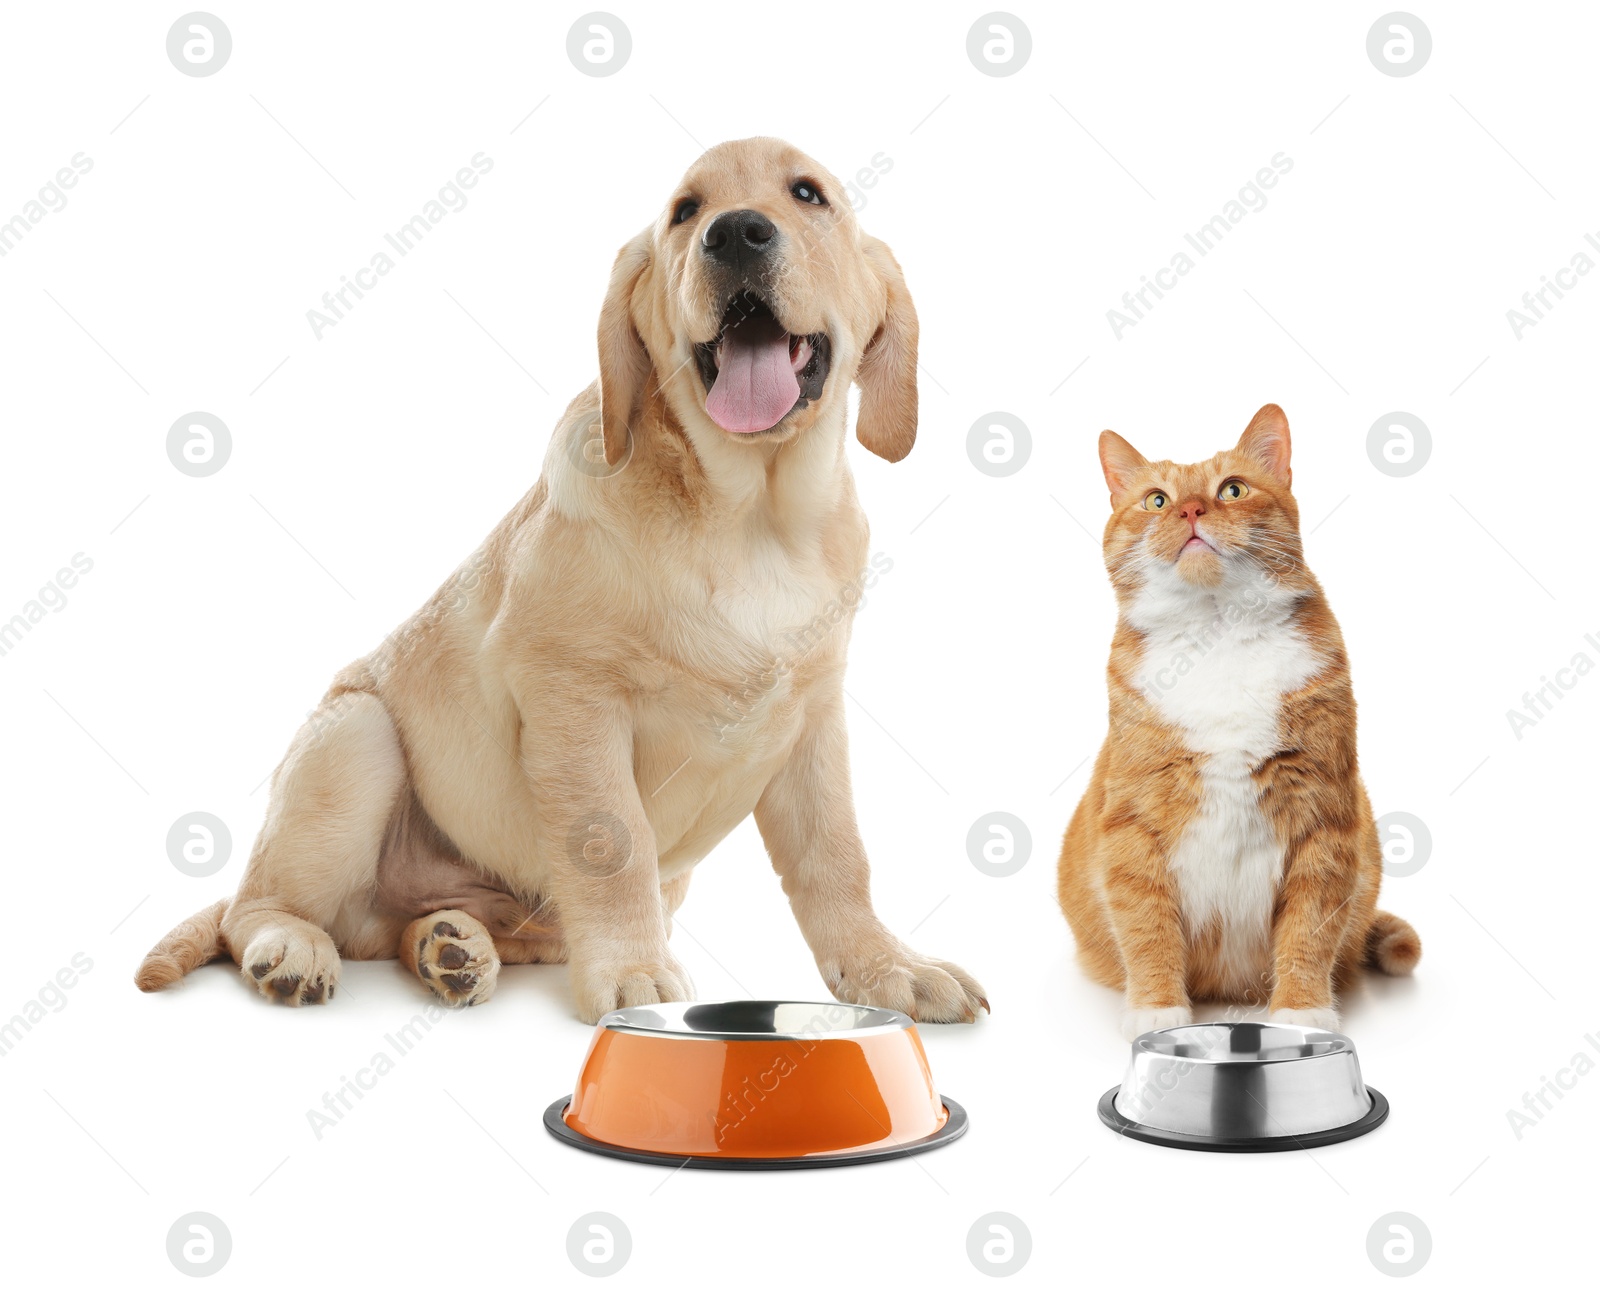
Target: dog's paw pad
{"x": 456, "y": 960}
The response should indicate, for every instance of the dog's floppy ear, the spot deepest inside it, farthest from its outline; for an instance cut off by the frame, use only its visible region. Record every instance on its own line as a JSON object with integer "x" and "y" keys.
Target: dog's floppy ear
{"x": 624, "y": 361}
{"x": 887, "y": 420}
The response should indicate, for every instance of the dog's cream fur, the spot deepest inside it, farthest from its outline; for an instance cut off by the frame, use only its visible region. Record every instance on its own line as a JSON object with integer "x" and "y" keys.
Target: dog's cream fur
{"x": 529, "y": 769}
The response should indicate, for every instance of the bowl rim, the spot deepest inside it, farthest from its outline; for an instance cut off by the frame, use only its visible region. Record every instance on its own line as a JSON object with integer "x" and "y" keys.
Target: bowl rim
{"x": 874, "y": 1021}
{"x": 1338, "y": 1045}
{"x": 1377, "y": 1112}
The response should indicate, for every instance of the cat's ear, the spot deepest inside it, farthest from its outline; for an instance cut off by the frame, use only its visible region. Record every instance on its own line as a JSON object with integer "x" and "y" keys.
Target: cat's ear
{"x": 1266, "y": 439}
{"x": 1120, "y": 460}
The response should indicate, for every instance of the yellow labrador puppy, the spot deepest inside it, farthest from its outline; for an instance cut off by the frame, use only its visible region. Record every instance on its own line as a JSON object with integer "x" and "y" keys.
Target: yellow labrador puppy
{"x": 647, "y": 649}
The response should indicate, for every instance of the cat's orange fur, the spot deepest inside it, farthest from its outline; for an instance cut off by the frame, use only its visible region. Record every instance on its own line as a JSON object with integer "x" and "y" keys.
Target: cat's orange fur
{"x": 1225, "y": 848}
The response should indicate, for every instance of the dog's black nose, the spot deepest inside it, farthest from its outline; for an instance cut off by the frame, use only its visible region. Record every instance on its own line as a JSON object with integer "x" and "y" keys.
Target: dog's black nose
{"x": 738, "y": 237}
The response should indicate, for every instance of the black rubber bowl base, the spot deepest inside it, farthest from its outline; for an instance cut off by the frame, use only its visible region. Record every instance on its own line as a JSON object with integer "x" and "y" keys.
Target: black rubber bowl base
{"x": 954, "y": 1126}
{"x": 1115, "y": 1120}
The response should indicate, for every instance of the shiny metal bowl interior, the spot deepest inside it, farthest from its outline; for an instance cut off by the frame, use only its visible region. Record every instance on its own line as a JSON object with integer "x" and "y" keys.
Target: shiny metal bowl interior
{"x": 1242, "y": 1042}
{"x": 1243, "y": 1081}
{"x": 753, "y": 1019}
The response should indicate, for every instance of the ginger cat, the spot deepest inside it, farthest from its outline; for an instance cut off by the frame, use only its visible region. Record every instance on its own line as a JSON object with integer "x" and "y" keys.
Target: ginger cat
{"x": 1225, "y": 848}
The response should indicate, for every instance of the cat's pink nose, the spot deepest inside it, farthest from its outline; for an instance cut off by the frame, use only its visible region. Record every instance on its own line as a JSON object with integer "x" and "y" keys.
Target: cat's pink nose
{"x": 1192, "y": 510}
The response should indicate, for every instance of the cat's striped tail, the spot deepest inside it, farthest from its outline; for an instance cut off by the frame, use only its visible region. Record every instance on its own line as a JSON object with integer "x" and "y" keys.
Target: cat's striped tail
{"x": 1393, "y": 946}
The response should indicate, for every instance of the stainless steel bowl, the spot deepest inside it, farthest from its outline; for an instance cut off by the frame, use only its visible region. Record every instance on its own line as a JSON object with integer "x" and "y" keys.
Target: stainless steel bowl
{"x": 1243, "y": 1086}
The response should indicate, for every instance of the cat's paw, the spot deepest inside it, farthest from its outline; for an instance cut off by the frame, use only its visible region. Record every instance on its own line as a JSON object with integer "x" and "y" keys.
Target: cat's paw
{"x": 1311, "y": 1018}
{"x": 1138, "y": 1021}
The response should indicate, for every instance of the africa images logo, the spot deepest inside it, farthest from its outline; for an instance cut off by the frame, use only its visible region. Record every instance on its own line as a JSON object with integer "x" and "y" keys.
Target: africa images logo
{"x": 451, "y": 197}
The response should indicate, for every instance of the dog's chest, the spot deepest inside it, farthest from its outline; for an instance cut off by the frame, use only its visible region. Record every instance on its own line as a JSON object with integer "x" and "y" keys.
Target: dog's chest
{"x": 1222, "y": 689}
{"x": 747, "y": 660}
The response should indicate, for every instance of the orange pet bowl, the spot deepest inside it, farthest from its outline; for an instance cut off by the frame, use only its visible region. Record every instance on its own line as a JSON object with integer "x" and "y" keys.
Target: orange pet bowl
{"x": 755, "y": 1085}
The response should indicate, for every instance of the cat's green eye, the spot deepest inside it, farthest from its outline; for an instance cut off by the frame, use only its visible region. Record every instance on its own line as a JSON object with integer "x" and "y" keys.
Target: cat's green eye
{"x": 1156, "y": 501}
{"x": 1233, "y": 490}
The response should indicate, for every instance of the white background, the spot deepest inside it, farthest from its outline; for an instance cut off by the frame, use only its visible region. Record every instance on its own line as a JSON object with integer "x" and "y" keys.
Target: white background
{"x": 366, "y": 464}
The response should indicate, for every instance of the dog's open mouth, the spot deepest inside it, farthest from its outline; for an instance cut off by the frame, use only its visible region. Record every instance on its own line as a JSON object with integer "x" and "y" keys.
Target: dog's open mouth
{"x": 755, "y": 372}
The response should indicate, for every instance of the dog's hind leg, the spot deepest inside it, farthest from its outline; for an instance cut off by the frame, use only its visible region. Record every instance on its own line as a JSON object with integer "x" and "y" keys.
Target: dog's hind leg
{"x": 315, "y": 862}
{"x": 454, "y": 955}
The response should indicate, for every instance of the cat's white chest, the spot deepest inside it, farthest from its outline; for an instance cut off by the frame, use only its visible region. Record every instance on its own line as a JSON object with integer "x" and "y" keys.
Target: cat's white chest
{"x": 1222, "y": 687}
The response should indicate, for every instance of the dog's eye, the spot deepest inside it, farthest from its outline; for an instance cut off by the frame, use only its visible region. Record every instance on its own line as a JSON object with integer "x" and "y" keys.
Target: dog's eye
{"x": 807, "y": 191}
{"x": 686, "y": 209}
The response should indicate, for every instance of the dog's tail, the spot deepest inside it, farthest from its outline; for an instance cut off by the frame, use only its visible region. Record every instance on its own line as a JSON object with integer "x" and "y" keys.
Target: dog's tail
{"x": 196, "y": 940}
{"x": 1393, "y": 946}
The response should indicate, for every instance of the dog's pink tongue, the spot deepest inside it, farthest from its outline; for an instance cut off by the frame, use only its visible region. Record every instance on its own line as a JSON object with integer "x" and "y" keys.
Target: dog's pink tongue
{"x": 755, "y": 386}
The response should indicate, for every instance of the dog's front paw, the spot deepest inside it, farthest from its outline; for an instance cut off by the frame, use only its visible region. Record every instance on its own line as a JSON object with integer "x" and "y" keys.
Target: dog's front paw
{"x": 895, "y": 977}
{"x": 608, "y": 980}
{"x": 1311, "y": 1018}
{"x": 1139, "y": 1021}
